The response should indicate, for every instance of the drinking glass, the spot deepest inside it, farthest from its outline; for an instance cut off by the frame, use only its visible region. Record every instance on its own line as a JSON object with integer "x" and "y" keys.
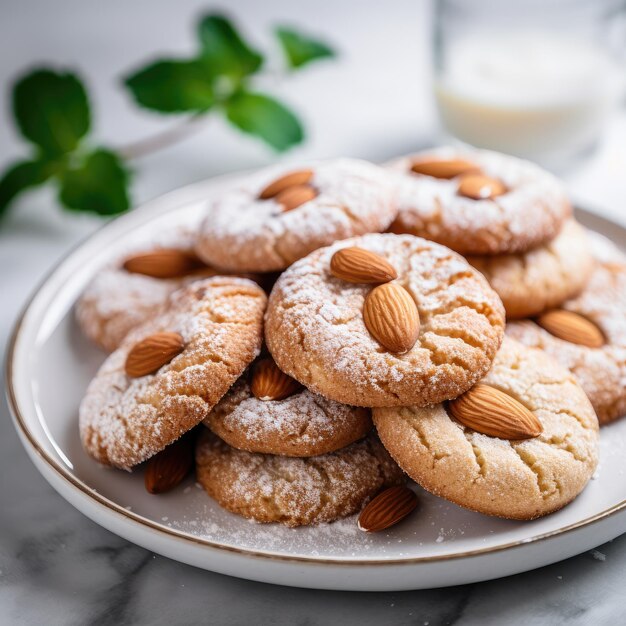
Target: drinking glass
{"x": 537, "y": 79}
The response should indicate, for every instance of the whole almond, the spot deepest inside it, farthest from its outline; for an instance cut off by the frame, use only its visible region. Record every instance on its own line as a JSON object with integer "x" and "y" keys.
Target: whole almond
{"x": 387, "y": 508}
{"x": 292, "y": 197}
{"x": 169, "y": 467}
{"x": 489, "y": 411}
{"x": 479, "y": 187}
{"x": 163, "y": 263}
{"x": 152, "y": 353}
{"x": 571, "y": 327}
{"x": 300, "y": 177}
{"x": 448, "y": 168}
{"x": 357, "y": 265}
{"x": 391, "y": 316}
{"x": 270, "y": 383}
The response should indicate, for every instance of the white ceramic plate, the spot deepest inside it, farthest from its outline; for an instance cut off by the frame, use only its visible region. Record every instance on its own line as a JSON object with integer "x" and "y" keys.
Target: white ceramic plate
{"x": 50, "y": 364}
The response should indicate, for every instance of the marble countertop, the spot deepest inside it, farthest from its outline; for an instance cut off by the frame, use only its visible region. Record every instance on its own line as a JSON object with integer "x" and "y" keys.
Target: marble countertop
{"x": 56, "y": 566}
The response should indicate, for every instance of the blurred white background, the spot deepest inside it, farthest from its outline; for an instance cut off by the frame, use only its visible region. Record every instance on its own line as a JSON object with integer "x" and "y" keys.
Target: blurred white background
{"x": 373, "y": 100}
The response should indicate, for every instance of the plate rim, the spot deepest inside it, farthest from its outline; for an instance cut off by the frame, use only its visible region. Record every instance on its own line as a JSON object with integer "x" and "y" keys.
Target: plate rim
{"x": 76, "y": 483}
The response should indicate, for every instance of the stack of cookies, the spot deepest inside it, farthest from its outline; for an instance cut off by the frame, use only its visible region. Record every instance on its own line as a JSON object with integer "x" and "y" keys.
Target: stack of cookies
{"x": 319, "y": 337}
{"x": 513, "y": 222}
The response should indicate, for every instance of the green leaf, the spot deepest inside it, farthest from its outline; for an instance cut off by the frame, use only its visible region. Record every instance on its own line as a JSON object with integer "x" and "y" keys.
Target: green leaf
{"x": 172, "y": 86}
{"x": 98, "y": 185}
{"x": 265, "y": 118}
{"x": 224, "y": 50}
{"x": 301, "y": 49}
{"x": 51, "y": 110}
{"x": 21, "y": 176}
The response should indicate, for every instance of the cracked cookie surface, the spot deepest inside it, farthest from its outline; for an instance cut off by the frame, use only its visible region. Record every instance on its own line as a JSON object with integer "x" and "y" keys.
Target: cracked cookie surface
{"x": 115, "y": 301}
{"x": 304, "y": 424}
{"x": 530, "y": 213}
{"x": 123, "y": 420}
{"x": 600, "y": 371}
{"x": 242, "y": 232}
{"x": 294, "y": 491}
{"x": 542, "y": 278}
{"x": 521, "y": 479}
{"x": 316, "y": 333}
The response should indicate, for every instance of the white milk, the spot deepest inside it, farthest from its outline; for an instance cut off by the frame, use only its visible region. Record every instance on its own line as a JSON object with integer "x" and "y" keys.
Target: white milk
{"x": 530, "y": 94}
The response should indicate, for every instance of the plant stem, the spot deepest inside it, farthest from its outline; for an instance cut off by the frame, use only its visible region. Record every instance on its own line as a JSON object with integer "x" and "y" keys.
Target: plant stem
{"x": 162, "y": 140}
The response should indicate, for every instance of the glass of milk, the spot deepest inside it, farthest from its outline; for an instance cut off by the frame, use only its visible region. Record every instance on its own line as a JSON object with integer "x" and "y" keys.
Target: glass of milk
{"x": 533, "y": 78}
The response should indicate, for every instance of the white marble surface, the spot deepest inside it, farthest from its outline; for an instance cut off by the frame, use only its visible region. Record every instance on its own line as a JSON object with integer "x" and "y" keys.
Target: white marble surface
{"x": 57, "y": 567}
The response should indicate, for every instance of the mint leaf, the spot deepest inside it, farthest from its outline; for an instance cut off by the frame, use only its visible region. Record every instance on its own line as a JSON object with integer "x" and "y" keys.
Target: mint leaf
{"x": 265, "y": 118}
{"x": 51, "y": 110}
{"x": 21, "y": 176}
{"x": 224, "y": 50}
{"x": 172, "y": 86}
{"x": 98, "y": 185}
{"x": 301, "y": 49}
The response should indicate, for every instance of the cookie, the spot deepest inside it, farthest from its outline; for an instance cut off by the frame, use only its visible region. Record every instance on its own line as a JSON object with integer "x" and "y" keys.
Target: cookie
{"x": 515, "y": 479}
{"x": 294, "y": 491}
{"x": 116, "y": 301}
{"x": 317, "y": 333}
{"x": 126, "y": 417}
{"x": 601, "y": 371}
{"x": 531, "y": 282}
{"x": 604, "y": 251}
{"x": 283, "y": 214}
{"x": 300, "y": 425}
{"x": 135, "y": 288}
{"x": 477, "y": 201}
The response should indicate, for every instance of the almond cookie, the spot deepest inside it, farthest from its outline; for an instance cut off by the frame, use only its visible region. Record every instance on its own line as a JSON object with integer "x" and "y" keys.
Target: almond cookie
{"x": 283, "y": 214}
{"x": 477, "y": 201}
{"x": 299, "y": 423}
{"x": 587, "y": 335}
{"x": 136, "y": 286}
{"x": 169, "y": 372}
{"x": 117, "y": 301}
{"x": 134, "y": 289}
{"x": 542, "y": 278}
{"x": 294, "y": 491}
{"x": 427, "y": 336}
{"x": 521, "y": 478}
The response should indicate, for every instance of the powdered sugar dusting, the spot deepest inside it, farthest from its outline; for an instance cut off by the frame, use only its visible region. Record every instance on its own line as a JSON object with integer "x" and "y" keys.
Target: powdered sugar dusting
{"x": 354, "y": 198}
{"x": 316, "y": 333}
{"x": 294, "y": 491}
{"x": 123, "y": 421}
{"x": 303, "y": 424}
{"x": 116, "y": 301}
{"x": 531, "y": 211}
{"x": 542, "y": 278}
{"x": 600, "y": 371}
{"x": 604, "y": 250}
{"x": 517, "y": 479}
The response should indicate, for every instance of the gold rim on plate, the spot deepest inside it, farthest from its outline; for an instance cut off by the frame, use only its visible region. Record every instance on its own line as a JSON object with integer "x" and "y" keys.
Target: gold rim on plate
{"x": 75, "y": 482}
